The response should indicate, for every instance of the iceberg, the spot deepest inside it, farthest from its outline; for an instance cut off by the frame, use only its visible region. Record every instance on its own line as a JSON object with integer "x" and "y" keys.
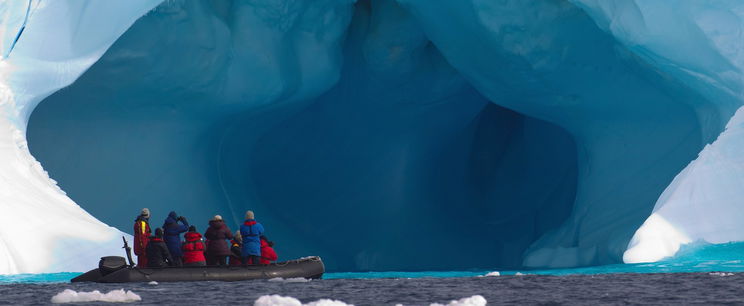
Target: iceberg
{"x": 372, "y": 133}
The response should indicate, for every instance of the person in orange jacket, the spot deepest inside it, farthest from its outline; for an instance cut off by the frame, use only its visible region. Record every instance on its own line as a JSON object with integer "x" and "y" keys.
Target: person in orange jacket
{"x": 267, "y": 251}
{"x": 142, "y": 236}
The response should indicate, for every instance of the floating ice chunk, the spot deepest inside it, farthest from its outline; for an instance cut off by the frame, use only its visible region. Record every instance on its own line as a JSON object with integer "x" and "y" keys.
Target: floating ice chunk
{"x": 494, "y": 273}
{"x": 476, "y": 300}
{"x": 519, "y": 274}
{"x": 153, "y": 283}
{"x": 278, "y": 300}
{"x": 116, "y": 296}
{"x": 290, "y": 280}
{"x": 721, "y": 274}
{"x": 327, "y": 302}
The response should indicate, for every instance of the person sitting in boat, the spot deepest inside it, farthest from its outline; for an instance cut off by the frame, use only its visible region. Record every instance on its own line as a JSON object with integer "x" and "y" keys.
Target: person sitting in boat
{"x": 235, "y": 245}
{"x": 173, "y": 232}
{"x": 251, "y": 231}
{"x": 157, "y": 252}
{"x": 217, "y": 248}
{"x": 193, "y": 248}
{"x": 268, "y": 254}
{"x": 142, "y": 234}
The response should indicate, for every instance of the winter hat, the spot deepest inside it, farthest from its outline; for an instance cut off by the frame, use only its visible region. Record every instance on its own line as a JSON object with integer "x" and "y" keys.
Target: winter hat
{"x": 192, "y": 228}
{"x": 217, "y": 218}
{"x": 249, "y": 215}
{"x": 173, "y": 215}
{"x": 145, "y": 213}
{"x": 159, "y": 232}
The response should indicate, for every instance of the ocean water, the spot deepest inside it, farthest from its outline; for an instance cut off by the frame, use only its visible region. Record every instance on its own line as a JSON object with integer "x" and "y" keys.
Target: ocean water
{"x": 698, "y": 274}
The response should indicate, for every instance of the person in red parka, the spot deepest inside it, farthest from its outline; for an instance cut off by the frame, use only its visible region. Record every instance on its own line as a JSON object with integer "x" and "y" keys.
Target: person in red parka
{"x": 193, "y": 248}
{"x": 217, "y": 248}
{"x": 142, "y": 236}
{"x": 267, "y": 251}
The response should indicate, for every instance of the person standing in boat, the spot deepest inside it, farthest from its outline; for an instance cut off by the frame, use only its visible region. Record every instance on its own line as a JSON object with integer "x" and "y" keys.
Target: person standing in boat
{"x": 142, "y": 236}
{"x": 251, "y": 231}
{"x": 217, "y": 248}
{"x": 173, "y": 232}
{"x": 193, "y": 248}
{"x": 158, "y": 255}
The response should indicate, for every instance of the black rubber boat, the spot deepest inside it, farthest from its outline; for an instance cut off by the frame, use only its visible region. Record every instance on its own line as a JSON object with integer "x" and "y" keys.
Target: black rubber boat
{"x": 114, "y": 269}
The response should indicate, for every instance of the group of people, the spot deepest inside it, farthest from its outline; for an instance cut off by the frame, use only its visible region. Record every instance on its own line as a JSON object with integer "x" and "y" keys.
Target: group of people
{"x": 164, "y": 247}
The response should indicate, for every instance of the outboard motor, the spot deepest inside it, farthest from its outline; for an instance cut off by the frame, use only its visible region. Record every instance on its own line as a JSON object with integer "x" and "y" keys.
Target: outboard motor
{"x": 110, "y": 264}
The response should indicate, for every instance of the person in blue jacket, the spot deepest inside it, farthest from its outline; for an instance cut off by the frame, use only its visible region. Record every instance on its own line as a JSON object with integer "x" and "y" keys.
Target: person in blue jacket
{"x": 251, "y": 232}
{"x": 173, "y": 232}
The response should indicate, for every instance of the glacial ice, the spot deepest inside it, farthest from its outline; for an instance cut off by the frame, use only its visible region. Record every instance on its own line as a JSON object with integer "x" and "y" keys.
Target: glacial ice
{"x": 372, "y": 133}
{"x": 42, "y": 229}
{"x": 699, "y": 205}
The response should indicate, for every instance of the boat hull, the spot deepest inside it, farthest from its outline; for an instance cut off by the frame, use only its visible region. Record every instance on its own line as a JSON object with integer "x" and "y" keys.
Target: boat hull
{"x": 311, "y": 267}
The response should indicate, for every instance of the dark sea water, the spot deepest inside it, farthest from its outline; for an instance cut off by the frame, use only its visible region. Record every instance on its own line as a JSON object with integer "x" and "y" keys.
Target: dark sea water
{"x": 688, "y": 278}
{"x": 605, "y": 289}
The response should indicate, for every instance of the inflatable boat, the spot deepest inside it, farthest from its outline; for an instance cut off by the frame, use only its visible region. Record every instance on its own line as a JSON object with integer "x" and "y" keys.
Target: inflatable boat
{"x": 114, "y": 269}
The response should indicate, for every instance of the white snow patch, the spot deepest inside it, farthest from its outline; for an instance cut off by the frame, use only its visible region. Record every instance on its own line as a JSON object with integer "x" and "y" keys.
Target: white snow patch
{"x": 290, "y": 280}
{"x": 114, "y": 296}
{"x": 476, "y": 300}
{"x": 278, "y": 300}
{"x": 489, "y": 274}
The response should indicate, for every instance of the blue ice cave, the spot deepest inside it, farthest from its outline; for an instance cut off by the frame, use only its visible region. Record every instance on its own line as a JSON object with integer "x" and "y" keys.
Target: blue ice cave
{"x": 381, "y": 135}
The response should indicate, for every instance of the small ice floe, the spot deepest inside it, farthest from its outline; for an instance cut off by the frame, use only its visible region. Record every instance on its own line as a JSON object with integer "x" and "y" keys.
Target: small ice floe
{"x": 489, "y": 274}
{"x": 721, "y": 274}
{"x": 290, "y": 280}
{"x": 476, "y": 300}
{"x": 519, "y": 274}
{"x": 278, "y": 300}
{"x": 153, "y": 283}
{"x": 114, "y": 296}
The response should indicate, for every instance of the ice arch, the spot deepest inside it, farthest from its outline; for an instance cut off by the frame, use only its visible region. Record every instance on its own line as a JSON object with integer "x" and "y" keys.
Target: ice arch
{"x": 328, "y": 116}
{"x": 397, "y": 147}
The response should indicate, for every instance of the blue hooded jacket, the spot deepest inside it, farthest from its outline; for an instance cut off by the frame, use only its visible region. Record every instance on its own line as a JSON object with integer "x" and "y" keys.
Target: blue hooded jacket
{"x": 173, "y": 232}
{"x": 251, "y": 232}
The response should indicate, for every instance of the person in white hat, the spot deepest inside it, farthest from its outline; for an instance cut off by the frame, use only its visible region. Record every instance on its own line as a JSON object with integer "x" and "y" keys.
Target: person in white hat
{"x": 217, "y": 236}
{"x": 142, "y": 236}
{"x": 251, "y": 232}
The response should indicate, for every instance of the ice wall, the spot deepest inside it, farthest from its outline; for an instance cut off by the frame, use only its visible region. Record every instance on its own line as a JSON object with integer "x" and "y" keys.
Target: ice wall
{"x": 699, "y": 43}
{"x": 39, "y": 223}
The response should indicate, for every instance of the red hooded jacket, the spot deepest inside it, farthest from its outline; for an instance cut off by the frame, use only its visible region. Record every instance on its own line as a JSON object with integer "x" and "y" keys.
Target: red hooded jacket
{"x": 193, "y": 248}
{"x": 267, "y": 253}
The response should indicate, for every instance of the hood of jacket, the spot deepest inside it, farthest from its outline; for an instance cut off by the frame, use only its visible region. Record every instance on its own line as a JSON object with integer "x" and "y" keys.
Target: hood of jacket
{"x": 170, "y": 220}
{"x": 192, "y": 236}
{"x": 216, "y": 224}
